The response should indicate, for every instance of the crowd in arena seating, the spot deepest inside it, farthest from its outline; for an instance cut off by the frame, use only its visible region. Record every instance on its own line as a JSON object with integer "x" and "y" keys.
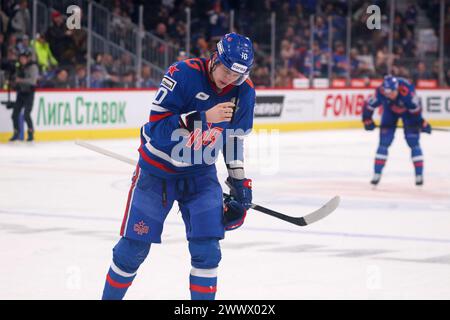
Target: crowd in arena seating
{"x": 368, "y": 56}
{"x": 61, "y": 53}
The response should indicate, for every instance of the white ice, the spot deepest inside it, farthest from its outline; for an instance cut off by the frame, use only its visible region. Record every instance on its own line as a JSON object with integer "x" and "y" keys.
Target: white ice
{"x": 61, "y": 208}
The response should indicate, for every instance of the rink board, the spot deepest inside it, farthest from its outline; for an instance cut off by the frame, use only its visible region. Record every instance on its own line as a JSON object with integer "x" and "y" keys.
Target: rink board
{"x": 112, "y": 113}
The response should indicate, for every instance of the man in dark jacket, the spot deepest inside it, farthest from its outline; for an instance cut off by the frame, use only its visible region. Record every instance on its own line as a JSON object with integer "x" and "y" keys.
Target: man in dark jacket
{"x": 25, "y": 83}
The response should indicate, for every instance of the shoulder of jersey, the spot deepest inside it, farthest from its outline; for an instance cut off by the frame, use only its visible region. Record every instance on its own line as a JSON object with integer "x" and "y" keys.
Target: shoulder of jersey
{"x": 191, "y": 67}
{"x": 248, "y": 85}
{"x": 179, "y": 72}
{"x": 406, "y": 88}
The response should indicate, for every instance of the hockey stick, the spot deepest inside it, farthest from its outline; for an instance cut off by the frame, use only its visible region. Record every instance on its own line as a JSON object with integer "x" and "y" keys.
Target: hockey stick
{"x": 402, "y": 127}
{"x": 312, "y": 217}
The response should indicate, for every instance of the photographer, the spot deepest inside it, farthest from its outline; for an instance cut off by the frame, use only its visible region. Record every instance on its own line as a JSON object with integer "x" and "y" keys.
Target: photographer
{"x": 25, "y": 84}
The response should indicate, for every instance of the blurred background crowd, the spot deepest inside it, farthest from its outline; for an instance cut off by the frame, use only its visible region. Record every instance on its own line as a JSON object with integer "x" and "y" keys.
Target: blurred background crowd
{"x": 310, "y": 38}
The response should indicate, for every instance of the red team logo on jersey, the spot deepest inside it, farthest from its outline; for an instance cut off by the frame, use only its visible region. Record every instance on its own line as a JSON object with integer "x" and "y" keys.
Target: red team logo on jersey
{"x": 173, "y": 69}
{"x": 197, "y": 138}
{"x": 397, "y": 109}
{"x": 140, "y": 228}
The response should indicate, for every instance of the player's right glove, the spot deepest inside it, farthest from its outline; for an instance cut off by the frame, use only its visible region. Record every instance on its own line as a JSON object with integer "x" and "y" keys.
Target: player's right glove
{"x": 426, "y": 127}
{"x": 369, "y": 125}
{"x": 241, "y": 190}
{"x": 234, "y": 214}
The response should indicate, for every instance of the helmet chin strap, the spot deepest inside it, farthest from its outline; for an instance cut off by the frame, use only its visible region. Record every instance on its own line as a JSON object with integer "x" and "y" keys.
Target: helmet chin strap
{"x": 212, "y": 65}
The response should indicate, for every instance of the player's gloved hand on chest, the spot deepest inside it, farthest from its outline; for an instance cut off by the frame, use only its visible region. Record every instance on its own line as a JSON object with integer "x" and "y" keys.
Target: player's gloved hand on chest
{"x": 426, "y": 127}
{"x": 241, "y": 191}
{"x": 234, "y": 214}
{"x": 369, "y": 125}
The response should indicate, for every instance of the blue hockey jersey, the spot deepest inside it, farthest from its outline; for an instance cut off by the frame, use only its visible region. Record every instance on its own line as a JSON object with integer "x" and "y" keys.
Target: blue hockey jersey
{"x": 168, "y": 148}
{"x": 406, "y": 102}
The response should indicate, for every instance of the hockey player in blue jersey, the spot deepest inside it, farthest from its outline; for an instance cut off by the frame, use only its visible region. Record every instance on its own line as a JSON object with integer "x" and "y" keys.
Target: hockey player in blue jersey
{"x": 398, "y": 98}
{"x": 202, "y": 106}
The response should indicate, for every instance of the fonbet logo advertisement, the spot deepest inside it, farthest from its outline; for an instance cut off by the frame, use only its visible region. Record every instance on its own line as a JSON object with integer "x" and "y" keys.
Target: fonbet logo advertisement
{"x": 269, "y": 106}
{"x": 337, "y": 105}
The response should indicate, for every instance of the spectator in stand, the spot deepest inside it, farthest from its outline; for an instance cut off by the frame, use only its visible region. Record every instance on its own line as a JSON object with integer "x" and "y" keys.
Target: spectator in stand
{"x": 44, "y": 55}
{"x": 20, "y": 23}
{"x": 435, "y": 71}
{"x": 366, "y": 63}
{"x": 121, "y": 26}
{"x": 124, "y": 64}
{"x": 447, "y": 75}
{"x": 180, "y": 33}
{"x": 127, "y": 80}
{"x": 97, "y": 77}
{"x": 411, "y": 17}
{"x": 146, "y": 78}
{"x": 398, "y": 55}
{"x": 261, "y": 76}
{"x": 79, "y": 80}
{"x": 381, "y": 61}
{"x": 283, "y": 78}
{"x": 287, "y": 52}
{"x": 60, "y": 39}
{"x": 420, "y": 73}
{"x": 321, "y": 32}
{"x": 218, "y": 22}
{"x": 4, "y": 20}
{"x": 408, "y": 44}
{"x": 161, "y": 31}
{"x": 399, "y": 26}
{"x": 2, "y": 46}
{"x": 320, "y": 62}
{"x": 340, "y": 63}
{"x": 23, "y": 44}
{"x": 289, "y": 34}
{"x": 109, "y": 69}
{"x": 61, "y": 81}
{"x": 202, "y": 48}
{"x": 12, "y": 43}
{"x": 79, "y": 40}
{"x": 447, "y": 31}
{"x": 298, "y": 60}
{"x": 355, "y": 70}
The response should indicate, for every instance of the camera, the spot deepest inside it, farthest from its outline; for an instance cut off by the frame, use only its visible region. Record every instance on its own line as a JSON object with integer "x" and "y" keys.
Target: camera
{"x": 10, "y": 69}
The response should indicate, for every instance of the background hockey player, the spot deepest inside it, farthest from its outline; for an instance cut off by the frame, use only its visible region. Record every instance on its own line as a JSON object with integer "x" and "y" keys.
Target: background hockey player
{"x": 202, "y": 98}
{"x": 398, "y": 98}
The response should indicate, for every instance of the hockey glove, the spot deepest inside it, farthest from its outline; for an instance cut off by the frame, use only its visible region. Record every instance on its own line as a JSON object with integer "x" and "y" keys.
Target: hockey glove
{"x": 241, "y": 191}
{"x": 369, "y": 125}
{"x": 233, "y": 214}
{"x": 426, "y": 127}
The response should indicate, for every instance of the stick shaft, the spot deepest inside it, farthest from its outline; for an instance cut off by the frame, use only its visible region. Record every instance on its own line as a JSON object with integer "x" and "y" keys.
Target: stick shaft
{"x": 402, "y": 127}
{"x": 105, "y": 152}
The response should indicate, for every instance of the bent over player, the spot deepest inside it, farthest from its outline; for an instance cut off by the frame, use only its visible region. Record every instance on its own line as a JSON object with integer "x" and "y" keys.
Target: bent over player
{"x": 201, "y": 104}
{"x": 398, "y": 98}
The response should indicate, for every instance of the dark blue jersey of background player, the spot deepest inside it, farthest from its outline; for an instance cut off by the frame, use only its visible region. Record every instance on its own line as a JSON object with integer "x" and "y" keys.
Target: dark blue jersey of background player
{"x": 398, "y": 99}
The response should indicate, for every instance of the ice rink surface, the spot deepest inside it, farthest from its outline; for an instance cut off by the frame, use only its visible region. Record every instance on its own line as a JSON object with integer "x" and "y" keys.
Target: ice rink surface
{"x": 61, "y": 208}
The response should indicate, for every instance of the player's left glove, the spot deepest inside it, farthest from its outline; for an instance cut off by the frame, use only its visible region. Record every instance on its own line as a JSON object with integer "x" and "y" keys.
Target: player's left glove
{"x": 369, "y": 125}
{"x": 234, "y": 214}
{"x": 426, "y": 127}
{"x": 241, "y": 191}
